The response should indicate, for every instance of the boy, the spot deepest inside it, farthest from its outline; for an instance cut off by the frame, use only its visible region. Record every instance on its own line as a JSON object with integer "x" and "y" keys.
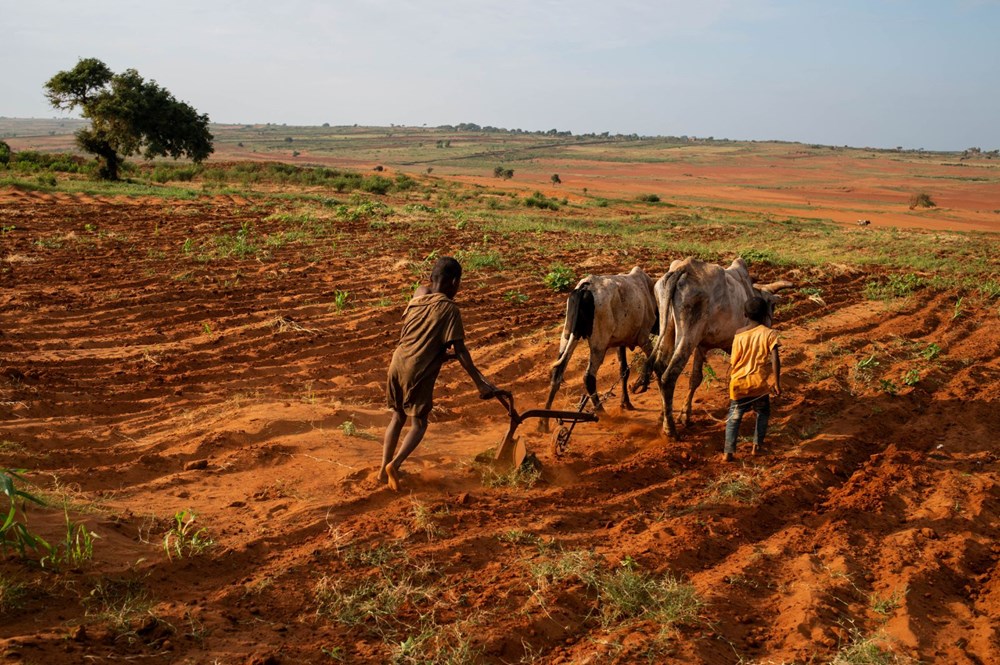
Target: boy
{"x": 748, "y": 383}
{"x": 431, "y": 325}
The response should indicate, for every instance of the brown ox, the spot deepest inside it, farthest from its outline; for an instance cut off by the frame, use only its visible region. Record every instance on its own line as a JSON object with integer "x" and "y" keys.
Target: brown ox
{"x": 609, "y": 311}
{"x": 701, "y": 308}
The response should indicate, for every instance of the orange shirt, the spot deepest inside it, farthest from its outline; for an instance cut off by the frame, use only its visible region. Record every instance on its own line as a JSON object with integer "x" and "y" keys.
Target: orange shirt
{"x": 750, "y": 362}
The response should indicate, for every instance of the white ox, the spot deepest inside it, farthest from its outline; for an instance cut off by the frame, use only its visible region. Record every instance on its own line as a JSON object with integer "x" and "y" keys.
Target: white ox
{"x": 700, "y": 308}
{"x": 609, "y": 311}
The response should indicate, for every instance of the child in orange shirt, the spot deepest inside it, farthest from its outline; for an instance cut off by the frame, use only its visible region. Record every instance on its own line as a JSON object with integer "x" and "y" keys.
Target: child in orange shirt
{"x": 753, "y": 344}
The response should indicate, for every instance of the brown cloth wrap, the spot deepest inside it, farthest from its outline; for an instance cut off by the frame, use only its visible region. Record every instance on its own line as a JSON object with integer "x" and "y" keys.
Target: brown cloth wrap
{"x": 431, "y": 323}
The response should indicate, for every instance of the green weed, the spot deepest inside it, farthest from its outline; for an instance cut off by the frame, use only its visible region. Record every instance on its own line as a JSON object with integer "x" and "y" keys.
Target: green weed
{"x": 870, "y": 650}
{"x": 895, "y": 286}
{"x": 628, "y": 593}
{"x": 958, "y": 309}
{"x": 515, "y": 297}
{"x": 423, "y": 519}
{"x": 14, "y": 532}
{"x": 118, "y": 602}
{"x": 523, "y": 477}
{"x": 736, "y": 486}
{"x": 76, "y": 548}
{"x": 474, "y": 260}
{"x": 376, "y": 599}
{"x": 239, "y": 245}
{"x": 517, "y": 537}
{"x": 433, "y": 643}
{"x": 888, "y": 387}
{"x": 887, "y": 604}
{"x": 867, "y": 364}
{"x": 341, "y": 300}
{"x": 579, "y": 564}
{"x": 375, "y": 555}
{"x": 11, "y": 593}
{"x": 559, "y": 277}
{"x": 930, "y": 352}
{"x": 183, "y": 539}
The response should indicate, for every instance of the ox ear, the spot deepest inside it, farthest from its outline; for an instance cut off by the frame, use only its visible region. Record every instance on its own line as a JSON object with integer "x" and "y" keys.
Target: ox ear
{"x": 774, "y": 287}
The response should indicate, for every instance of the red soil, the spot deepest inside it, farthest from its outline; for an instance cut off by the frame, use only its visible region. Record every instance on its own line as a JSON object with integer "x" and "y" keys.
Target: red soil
{"x": 141, "y": 383}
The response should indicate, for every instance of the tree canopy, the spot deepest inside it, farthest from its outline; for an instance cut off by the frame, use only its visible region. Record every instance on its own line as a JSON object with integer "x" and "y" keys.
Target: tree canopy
{"x": 128, "y": 116}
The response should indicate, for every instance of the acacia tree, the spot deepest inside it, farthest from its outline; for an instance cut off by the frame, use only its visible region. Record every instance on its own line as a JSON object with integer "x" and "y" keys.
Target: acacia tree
{"x": 128, "y": 116}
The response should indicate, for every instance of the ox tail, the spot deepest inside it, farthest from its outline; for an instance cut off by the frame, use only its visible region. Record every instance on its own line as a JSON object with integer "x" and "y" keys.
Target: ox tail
{"x": 580, "y": 311}
{"x": 666, "y": 317}
{"x": 642, "y": 382}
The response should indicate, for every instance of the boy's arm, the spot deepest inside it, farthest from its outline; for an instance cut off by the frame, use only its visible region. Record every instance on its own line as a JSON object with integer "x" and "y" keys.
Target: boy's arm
{"x": 776, "y": 369}
{"x": 486, "y": 389}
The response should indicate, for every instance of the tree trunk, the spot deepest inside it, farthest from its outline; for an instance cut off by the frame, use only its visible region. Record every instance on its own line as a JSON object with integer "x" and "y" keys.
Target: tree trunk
{"x": 107, "y": 160}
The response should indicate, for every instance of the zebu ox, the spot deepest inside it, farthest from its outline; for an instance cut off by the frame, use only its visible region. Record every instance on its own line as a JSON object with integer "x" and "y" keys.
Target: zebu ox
{"x": 700, "y": 308}
{"x": 609, "y": 311}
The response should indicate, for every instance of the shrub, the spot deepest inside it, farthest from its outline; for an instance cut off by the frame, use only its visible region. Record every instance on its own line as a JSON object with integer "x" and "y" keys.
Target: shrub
{"x": 376, "y": 185}
{"x": 649, "y": 198}
{"x": 539, "y": 200}
{"x": 752, "y": 256}
{"x": 404, "y": 182}
{"x": 4, "y": 153}
{"x": 921, "y": 200}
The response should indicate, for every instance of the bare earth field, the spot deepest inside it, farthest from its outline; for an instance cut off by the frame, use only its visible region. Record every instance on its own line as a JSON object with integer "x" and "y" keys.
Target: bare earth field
{"x": 162, "y": 355}
{"x": 194, "y": 371}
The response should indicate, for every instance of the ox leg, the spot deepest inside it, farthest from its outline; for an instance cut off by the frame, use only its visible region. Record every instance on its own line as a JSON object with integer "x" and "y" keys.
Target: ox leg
{"x": 623, "y": 365}
{"x": 555, "y": 381}
{"x": 656, "y": 357}
{"x": 648, "y": 368}
{"x": 642, "y": 381}
{"x": 566, "y": 348}
{"x": 590, "y": 378}
{"x": 697, "y": 374}
{"x": 668, "y": 383}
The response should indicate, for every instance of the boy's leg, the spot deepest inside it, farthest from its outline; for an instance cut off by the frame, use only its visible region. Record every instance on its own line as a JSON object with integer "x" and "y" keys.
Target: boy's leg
{"x": 733, "y": 427}
{"x": 390, "y": 440}
{"x": 418, "y": 426}
{"x": 762, "y": 407}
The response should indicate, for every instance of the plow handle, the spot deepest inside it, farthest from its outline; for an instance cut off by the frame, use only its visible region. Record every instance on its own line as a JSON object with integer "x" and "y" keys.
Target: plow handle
{"x": 507, "y": 400}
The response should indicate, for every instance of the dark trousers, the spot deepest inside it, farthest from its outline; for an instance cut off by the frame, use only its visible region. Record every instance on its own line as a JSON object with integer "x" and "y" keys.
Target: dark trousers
{"x": 761, "y": 406}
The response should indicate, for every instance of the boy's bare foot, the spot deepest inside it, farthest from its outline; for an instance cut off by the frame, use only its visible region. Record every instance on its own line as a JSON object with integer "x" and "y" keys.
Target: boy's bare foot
{"x": 727, "y": 457}
{"x": 392, "y": 477}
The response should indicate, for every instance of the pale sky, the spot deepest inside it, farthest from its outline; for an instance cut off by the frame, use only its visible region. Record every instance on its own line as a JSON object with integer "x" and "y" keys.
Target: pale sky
{"x": 916, "y": 73}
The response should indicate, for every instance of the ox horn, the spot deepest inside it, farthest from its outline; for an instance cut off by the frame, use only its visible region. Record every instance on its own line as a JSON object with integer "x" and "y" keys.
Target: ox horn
{"x": 774, "y": 286}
